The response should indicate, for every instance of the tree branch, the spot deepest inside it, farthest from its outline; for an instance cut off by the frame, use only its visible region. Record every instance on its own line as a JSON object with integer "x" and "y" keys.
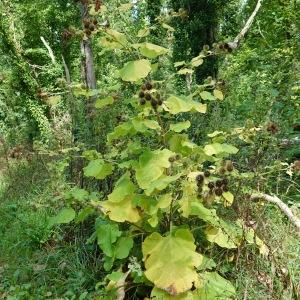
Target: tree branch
{"x": 283, "y": 207}
{"x": 235, "y": 43}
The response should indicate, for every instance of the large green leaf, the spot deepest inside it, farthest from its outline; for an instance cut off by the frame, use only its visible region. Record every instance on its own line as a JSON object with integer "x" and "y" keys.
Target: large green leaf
{"x": 135, "y": 70}
{"x": 98, "y": 168}
{"x": 151, "y": 50}
{"x": 123, "y": 247}
{"x": 65, "y": 216}
{"x": 107, "y": 235}
{"x": 151, "y": 166}
{"x": 181, "y": 104}
{"x": 121, "y": 131}
{"x": 161, "y": 183}
{"x": 142, "y": 125}
{"x": 170, "y": 261}
{"x": 213, "y": 287}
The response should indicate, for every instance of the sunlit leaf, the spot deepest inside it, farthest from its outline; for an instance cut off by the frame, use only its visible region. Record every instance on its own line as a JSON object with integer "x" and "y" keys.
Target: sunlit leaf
{"x": 218, "y": 95}
{"x": 168, "y": 27}
{"x": 135, "y": 70}
{"x": 197, "y": 61}
{"x": 151, "y": 50}
{"x": 216, "y": 148}
{"x": 119, "y": 206}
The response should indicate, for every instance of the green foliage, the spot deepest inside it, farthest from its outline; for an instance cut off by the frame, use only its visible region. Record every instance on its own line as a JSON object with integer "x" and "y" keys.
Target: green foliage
{"x": 65, "y": 216}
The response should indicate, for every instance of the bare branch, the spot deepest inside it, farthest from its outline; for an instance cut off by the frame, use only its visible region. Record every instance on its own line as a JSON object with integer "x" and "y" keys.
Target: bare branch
{"x": 284, "y": 208}
{"x": 49, "y": 50}
{"x": 235, "y": 43}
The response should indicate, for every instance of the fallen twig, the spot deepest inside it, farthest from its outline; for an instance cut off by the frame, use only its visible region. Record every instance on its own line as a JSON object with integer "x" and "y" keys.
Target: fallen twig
{"x": 284, "y": 208}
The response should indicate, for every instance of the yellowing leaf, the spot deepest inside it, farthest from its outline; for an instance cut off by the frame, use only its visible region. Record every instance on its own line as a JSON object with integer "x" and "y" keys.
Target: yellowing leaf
{"x": 197, "y": 61}
{"x": 53, "y": 100}
{"x": 170, "y": 261}
{"x": 179, "y": 64}
{"x": 185, "y": 71}
{"x": 158, "y": 294}
{"x": 251, "y": 238}
{"x": 135, "y": 70}
{"x": 123, "y": 188}
{"x": 178, "y": 127}
{"x": 200, "y": 107}
{"x": 122, "y": 211}
{"x": 103, "y": 102}
{"x": 228, "y": 197}
{"x": 219, "y": 95}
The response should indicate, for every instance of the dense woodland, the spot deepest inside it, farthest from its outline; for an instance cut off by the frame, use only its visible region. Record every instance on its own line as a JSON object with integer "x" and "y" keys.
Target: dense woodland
{"x": 150, "y": 149}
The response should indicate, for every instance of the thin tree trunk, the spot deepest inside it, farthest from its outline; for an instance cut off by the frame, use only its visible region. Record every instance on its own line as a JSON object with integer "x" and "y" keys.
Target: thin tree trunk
{"x": 88, "y": 58}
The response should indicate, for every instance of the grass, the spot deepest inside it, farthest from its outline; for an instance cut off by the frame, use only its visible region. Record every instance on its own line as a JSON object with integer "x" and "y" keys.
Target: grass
{"x": 37, "y": 263}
